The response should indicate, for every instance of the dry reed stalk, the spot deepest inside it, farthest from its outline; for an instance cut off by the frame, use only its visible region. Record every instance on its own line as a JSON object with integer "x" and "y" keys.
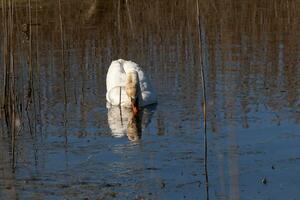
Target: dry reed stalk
{"x": 31, "y": 91}
{"x": 130, "y": 19}
{"x": 10, "y": 107}
{"x": 64, "y": 72}
{"x": 203, "y": 99}
{"x": 30, "y": 71}
{"x": 119, "y": 18}
{"x": 30, "y": 42}
{"x": 4, "y": 50}
{"x": 5, "y": 61}
{"x": 38, "y": 66}
{"x": 62, "y": 49}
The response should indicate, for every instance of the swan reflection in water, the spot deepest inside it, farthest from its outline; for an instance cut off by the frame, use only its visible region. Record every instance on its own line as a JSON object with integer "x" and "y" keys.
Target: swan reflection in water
{"x": 123, "y": 122}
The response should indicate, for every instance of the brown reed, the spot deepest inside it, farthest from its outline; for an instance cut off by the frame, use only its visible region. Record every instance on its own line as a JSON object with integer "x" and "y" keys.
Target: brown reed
{"x": 199, "y": 21}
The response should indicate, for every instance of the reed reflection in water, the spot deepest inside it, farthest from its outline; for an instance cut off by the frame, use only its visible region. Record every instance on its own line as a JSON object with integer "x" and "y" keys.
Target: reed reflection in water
{"x": 54, "y": 124}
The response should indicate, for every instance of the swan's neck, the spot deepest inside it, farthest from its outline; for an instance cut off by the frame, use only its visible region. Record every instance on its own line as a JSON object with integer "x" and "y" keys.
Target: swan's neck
{"x": 132, "y": 84}
{"x": 133, "y": 90}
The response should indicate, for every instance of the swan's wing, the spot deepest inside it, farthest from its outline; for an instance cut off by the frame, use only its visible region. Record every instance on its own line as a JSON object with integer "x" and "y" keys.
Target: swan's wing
{"x": 115, "y": 84}
{"x": 115, "y": 76}
{"x": 130, "y": 66}
{"x": 147, "y": 91}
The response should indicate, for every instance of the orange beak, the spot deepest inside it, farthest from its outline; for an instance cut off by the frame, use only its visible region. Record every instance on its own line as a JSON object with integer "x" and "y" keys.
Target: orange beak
{"x": 135, "y": 110}
{"x": 135, "y": 106}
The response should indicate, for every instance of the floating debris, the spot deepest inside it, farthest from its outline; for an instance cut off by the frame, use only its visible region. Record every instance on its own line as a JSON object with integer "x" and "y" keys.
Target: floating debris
{"x": 273, "y": 167}
{"x": 264, "y": 181}
{"x": 162, "y": 185}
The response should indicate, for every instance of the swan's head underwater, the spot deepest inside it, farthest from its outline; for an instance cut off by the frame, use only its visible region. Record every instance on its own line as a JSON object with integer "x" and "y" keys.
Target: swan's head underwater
{"x": 132, "y": 90}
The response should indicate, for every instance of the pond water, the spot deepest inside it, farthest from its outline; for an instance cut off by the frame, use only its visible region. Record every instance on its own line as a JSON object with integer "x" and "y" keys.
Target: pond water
{"x": 70, "y": 146}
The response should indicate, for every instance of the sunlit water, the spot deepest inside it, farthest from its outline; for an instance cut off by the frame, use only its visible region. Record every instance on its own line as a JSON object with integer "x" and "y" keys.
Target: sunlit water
{"x": 71, "y": 146}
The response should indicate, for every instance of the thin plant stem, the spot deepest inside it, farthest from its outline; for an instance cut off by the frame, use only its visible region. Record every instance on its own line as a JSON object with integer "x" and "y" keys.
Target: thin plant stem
{"x": 203, "y": 100}
{"x": 62, "y": 48}
{"x": 119, "y": 18}
{"x": 64, "y": 73}
{"x": 4, "y": 50}
{"x": 120, "y": 107}
{"x": 11, "y": 108}
{"x": 38, "y": 68}
{"x": 130, "y": 19}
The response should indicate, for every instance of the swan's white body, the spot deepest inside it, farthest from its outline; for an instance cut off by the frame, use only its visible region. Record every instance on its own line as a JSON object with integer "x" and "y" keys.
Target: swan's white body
{"x": 116, "y": 82}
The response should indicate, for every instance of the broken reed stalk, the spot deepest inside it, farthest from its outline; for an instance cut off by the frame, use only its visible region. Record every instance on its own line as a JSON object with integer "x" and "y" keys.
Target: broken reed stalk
{"x": 203, "y": 99}
{"x": 120, "y": 107}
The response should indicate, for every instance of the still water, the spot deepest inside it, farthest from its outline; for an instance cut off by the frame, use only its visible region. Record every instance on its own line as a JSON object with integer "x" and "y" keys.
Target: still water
{"x": 70, "y": 146}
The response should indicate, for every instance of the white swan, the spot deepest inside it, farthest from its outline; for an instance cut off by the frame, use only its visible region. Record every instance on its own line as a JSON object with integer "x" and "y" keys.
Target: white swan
{"x": 128, "y": 86}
